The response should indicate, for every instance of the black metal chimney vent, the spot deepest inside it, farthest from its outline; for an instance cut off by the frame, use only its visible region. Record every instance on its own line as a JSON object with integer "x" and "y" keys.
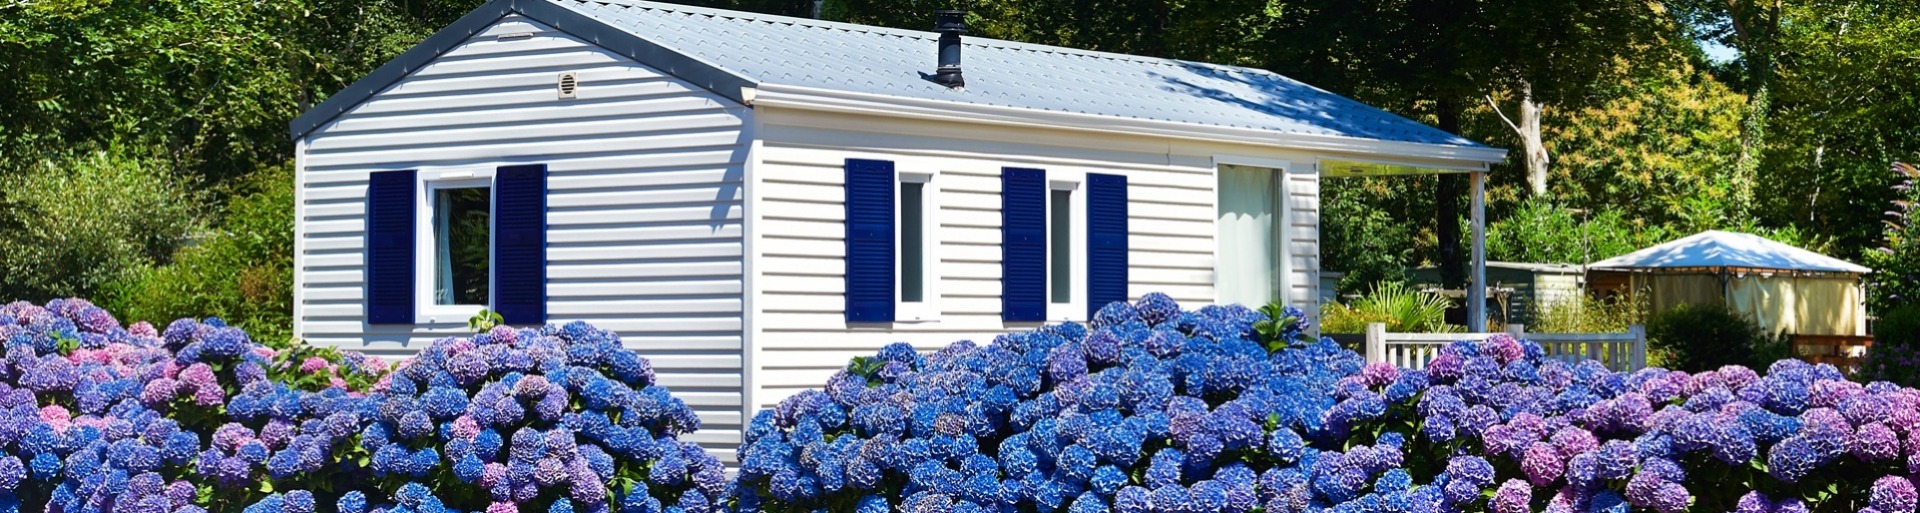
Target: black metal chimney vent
{"x": 950, "y": 24}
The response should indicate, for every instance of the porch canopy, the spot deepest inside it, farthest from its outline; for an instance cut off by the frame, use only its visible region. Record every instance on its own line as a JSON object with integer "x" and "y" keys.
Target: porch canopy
{"x": 1784, "y": 288}
{"x": 1476, "y": 218}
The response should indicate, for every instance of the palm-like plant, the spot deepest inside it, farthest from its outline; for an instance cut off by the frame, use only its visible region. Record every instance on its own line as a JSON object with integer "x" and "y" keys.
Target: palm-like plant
{"x": 1399, "y": 306}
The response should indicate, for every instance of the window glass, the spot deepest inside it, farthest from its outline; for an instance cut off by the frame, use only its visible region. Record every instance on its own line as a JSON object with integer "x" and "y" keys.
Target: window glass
{"x": 913, "y": 247}
{"x": 1060, "y": 245}
{"x": 462, "y": 220}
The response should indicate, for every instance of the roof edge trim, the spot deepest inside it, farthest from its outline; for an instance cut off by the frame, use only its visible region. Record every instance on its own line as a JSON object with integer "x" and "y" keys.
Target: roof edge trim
{"x": 640, "y": 49}
{"x": 810, "y": 98}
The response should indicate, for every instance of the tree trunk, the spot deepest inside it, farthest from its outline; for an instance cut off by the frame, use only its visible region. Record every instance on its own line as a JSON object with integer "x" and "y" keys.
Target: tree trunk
{"x": 1446, "y": 208}
{"x": 1746, "y": 167}
{"x": 1529, "y": 131}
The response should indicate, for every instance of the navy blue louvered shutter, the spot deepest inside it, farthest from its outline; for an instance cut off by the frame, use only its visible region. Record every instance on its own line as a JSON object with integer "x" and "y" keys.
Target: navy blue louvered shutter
{"x": 1106, "y": 240}
{"x": 1023, "y": 246}
{"x": 870, "y": 247}
{"x": 392, "y": 205}
{"x": 520, "y": 244}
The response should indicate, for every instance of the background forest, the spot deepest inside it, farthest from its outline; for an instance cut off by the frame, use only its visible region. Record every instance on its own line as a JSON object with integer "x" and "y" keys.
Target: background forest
{"x": 144, "y": 158}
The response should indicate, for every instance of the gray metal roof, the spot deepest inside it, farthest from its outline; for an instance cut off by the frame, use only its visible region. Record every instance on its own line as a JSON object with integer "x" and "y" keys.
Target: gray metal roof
{"x": 722, "y": 49}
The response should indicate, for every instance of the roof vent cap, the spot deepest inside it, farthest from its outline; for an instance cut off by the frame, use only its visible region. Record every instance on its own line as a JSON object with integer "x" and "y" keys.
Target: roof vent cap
{"x": 950, "y": 24}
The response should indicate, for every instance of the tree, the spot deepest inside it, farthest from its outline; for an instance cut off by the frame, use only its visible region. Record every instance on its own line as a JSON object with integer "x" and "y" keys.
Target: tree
{"x": 240, "y": 271}
{"x": 1433, "y": 59}
{"x": 1655, "y": 152}
{"x": 1845, "y": 103}
{"x": 82, "y": 221}
{"x": 1896, "y": 263}
{"x": 1751, "y": 27}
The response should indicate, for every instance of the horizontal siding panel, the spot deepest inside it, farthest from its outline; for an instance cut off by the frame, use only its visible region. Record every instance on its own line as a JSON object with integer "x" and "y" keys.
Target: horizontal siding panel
{"x": 631, "y": 103}
{"x": 570, "y": 129}
{"x": 705, "y": 193}
{"x": 653, "y": 306}
{"x": 520, "y": 148}
{"x": 817, "y": 193}
{"x": 517, "y": 79}
{"x": 690, "y": 231}
{"x": 626, "y": 289}
{"x": 717, "y": 211}
{"x": 718, "y": 267}
{"x": 605, "y": 252}
{"x": 544, "y": 60}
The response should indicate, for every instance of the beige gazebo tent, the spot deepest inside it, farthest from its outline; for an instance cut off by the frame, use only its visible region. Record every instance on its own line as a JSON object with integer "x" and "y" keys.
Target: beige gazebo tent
{"x": 1784, "y": 288}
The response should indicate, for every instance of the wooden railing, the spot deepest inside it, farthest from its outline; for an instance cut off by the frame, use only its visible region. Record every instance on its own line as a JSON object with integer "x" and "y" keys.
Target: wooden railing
{"x": 1618, "y": 351}
{"x": 1843, "y": 351}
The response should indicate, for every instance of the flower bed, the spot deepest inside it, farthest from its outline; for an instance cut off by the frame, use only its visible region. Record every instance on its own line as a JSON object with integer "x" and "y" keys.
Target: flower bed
{"x": 1155, "y": 409}
{"x": 197, "y": 418}
{"x": 1147, "y": 408}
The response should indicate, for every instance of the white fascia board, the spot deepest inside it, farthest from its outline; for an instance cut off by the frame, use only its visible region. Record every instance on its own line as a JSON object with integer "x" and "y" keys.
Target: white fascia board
{"x": 809, "y": 98}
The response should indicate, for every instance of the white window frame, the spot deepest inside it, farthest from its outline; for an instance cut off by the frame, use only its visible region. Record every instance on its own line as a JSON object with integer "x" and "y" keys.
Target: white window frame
{"x": 431, "y": 181}
{"x": 928, "y": 308}
{"x": 1068, "y": 180}
{"x": 1283, "y": 221}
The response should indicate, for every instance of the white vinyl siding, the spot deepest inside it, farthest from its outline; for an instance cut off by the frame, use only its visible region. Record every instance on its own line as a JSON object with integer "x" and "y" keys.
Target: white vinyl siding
{"x": 644, "y": 202}
{"x": 801, "y": 336}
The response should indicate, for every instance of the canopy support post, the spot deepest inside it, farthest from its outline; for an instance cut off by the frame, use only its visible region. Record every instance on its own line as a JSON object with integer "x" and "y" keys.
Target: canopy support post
{"x": 1477, "y": 290}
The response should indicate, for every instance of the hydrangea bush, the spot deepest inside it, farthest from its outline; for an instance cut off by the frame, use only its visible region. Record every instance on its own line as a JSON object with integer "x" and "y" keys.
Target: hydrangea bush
{"x": 196, "y": 417}
{"x": 561, "y": 419}
{"x": 1149, "y": 408}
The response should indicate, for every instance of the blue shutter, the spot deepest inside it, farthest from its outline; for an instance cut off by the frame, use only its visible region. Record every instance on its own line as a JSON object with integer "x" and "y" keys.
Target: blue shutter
{"x": 393, "y": 203}
{"x": 1106, "y": 240}
{"x": 1023, "y": 246}
{"x": 520, "y": 244}
{"x": 870, "y": 247}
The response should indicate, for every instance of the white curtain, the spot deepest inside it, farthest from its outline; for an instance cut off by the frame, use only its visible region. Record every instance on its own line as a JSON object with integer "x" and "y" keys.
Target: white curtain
{"x": 1248, "y": 272}
{"x": 442, "y": 248}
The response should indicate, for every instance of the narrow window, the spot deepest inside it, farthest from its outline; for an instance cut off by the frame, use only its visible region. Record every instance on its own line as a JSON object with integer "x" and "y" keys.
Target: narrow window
{"x": 1060, "y": 245}
{"x": 913, "y": 246}
{"x": 462, "y": 240}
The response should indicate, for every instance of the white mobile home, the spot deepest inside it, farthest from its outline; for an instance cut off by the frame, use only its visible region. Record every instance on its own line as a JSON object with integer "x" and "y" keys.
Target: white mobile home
{"x": 751, "y": 200}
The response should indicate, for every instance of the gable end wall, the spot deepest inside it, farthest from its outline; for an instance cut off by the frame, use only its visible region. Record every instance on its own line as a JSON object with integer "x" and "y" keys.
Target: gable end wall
{"x": 645, "y": 202}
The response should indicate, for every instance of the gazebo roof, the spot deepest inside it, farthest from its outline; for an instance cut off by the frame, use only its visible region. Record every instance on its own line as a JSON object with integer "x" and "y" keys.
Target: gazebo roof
{"x": 1715, "y": 250}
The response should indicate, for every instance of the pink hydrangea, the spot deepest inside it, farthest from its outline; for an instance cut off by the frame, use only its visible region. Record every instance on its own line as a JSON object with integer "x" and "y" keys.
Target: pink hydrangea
{"x": 143, "y": 329}
{"x": 313, "y": 364}
{"x": 56, "y": 416}
{"x": 1573, "y": 440}
{"x": 157, "y": 392}
{"x": 1379, "y": 374}
{"x": 492, "y": 474}
{"x": 1542, "y": 464}
{"x": 1505, "y": 348}
{"x": 465, "y": 428}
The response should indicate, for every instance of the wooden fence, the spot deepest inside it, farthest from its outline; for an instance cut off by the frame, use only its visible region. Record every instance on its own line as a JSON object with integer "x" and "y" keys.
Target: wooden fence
{"x": 1618, "y": 351}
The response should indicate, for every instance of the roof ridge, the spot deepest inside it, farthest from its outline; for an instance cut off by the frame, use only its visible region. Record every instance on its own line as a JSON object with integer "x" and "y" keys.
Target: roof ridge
{"x": 929, "y": 35}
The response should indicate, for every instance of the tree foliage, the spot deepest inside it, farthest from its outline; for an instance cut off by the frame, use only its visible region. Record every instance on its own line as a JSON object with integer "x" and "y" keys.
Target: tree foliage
{"x": 81, "y": 221}
{"x": 1896, "y": 262}
{"x": 240, "y": 271}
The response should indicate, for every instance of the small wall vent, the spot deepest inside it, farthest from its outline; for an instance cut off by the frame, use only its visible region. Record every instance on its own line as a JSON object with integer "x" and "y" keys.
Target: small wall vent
{"x": 569, "y": 83}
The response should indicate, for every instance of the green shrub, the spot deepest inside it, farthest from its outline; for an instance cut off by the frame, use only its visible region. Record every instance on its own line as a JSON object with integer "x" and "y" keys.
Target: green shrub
{"x": 1896, "y": 265}
{"x": 1700, "y": 338}
{"x": 1393, "y": 303}
{"x": 1895, "y": 354}
{"x": 1543, "y": 231}
{"x": 76, "y": 223}
{"x": 1584, "y": 313}
{"x": 241, "y": 272}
